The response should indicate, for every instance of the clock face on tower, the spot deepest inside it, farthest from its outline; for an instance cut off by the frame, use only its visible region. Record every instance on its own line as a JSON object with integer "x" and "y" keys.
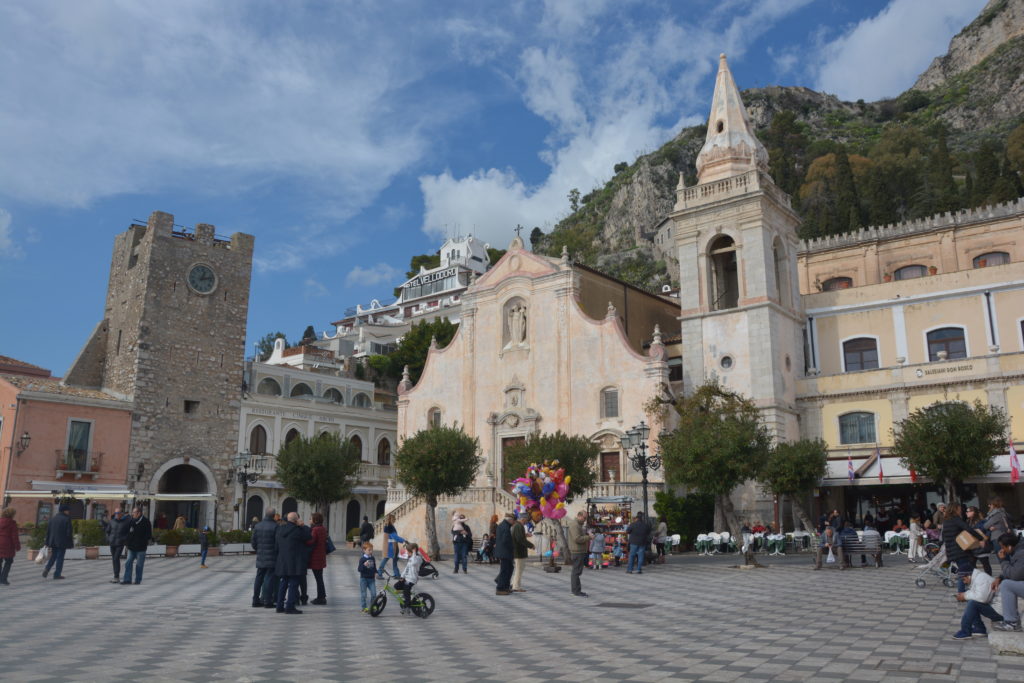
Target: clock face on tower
{"x": 202, "y": 279}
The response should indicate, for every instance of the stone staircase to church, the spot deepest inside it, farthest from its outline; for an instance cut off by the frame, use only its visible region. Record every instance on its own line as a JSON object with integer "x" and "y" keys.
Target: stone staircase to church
{"x": 501, "y": 500}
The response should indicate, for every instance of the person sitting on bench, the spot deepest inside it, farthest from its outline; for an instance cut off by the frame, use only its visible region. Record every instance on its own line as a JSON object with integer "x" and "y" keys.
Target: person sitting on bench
{"x": 829, "y": 542}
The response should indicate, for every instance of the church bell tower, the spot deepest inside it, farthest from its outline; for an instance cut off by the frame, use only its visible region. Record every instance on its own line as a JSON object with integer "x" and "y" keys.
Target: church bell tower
{"x": 736, "y": 240}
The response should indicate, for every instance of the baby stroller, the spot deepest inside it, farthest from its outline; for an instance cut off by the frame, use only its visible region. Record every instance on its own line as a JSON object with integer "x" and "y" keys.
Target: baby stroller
{"x": 427, "y": 569}
{"x": 934, "y": 567}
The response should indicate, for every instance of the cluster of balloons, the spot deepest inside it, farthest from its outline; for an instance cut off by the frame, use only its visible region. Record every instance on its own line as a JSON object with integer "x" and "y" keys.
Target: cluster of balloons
{"x": 542, "y": 491}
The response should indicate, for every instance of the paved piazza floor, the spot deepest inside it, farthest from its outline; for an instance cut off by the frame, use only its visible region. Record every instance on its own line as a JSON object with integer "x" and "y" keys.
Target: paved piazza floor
{"x": 691, "y": 619}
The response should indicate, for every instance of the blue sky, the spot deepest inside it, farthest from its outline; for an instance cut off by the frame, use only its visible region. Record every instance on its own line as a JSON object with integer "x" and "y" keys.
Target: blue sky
{"x": 349, "y": 136}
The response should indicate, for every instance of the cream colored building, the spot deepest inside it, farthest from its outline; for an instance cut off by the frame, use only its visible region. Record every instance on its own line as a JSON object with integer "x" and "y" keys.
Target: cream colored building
{"x": 543, "y": 346}
{"x": 300, "y": 392}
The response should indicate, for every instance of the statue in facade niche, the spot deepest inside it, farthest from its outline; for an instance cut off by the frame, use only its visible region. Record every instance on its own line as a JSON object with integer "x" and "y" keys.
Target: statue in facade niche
{"x": 517, "y": 325}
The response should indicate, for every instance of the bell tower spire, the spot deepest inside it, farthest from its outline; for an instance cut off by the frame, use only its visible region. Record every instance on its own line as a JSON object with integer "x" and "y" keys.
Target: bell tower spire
{"x": 730, "y": 148}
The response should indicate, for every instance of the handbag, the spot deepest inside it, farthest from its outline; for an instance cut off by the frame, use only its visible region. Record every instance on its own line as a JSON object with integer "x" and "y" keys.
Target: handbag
{"x": 42, "y": 555}
{"x": 967, "y": 541}
{"x": 329, "y": 545}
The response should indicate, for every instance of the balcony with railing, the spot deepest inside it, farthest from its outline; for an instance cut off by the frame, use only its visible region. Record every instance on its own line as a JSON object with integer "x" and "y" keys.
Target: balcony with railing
{"x": 369, "y": 473}
{"x": 78, "y": 463}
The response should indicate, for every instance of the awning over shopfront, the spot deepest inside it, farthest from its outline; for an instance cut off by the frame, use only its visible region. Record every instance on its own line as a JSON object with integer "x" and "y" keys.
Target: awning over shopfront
{"x": 103, "y": 493}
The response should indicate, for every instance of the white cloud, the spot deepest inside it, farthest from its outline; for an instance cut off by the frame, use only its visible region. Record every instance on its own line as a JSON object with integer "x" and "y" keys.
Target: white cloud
{"x": 315, "y": 288}
{"x": 8, "y": 249}
{"x": 379, "y": 274}
{"x": 144, "y": 97}
{"x": 610, "y": 88}
{"x": 883, "y": 55}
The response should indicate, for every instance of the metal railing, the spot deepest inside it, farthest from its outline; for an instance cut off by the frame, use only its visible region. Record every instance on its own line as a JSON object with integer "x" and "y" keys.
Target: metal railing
{"x": 78, "y": 461}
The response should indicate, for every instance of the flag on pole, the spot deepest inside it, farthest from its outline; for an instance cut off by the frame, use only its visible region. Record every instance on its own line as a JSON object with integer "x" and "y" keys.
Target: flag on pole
{"x": 878, "y": 456}
{"x": 1014, "y": 464}
{"x": 849, "y": 466}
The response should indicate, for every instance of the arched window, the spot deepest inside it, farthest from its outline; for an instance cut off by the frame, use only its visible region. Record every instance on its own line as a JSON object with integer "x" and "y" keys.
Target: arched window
{"x": 289, "y": 505}
{"x": 268, "y": 387}
{"x": 434, "y": 417}
{"x": 910, "y": 272}
{"x": 361, "y": 401}
{"x": 610, "y": 402}
{"x": 857, "y": 428}
{"x": 992, "y": 258}
{"x": 291, "y": 436}
{"x": 301, "y": 389}
{"x": 334, "y": 396}
{"x": 860, "y": 354}
{"x": 725, "y": 289}
{"x": 258, "y": 440}
{"x": 834, "y": 283}
{"x": 384, "y": 452}
{"x": 358, "y": 443}
{"x": 951, "y": 340}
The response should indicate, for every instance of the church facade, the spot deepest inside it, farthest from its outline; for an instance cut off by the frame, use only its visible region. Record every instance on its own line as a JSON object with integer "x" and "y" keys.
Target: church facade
{"x": 543, "y": 346}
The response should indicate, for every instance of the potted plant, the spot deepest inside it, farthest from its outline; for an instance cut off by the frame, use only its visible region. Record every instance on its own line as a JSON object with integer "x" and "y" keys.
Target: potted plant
{"x": 91, "y": 536}
{"x": 189, "y": 542}
{"x": 932, "y": 270}
{"x": 887, "y": 277}
{"x": 172, "y": 539}
{"x": 353, "y": 536}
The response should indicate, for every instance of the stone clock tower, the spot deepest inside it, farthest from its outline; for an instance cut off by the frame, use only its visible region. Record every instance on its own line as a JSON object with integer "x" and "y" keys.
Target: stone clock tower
{"x": 172, "y": 340}
{"x": 736, "y": 239}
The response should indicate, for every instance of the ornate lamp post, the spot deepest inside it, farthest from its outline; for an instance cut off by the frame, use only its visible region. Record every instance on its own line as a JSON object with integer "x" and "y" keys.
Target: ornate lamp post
{"x": 247, "y": 470}
{"x": 634, "y": 443}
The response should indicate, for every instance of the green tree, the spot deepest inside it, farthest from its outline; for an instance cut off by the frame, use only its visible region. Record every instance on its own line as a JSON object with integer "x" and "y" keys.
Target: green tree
{"x": 787, "y": 149}
{"x": 942, "y": 186}
{"x": 1015, "y": 149}
{"x": 309, "y": 334}
{"x": 577, "y": 454}
{"x": 413, "y": 348}
{"x": 793, "y": 469}
{"x": 986, "y": 173}
{"x": 536, "y": 240}
{"x": 320, "y": 471}
{"x": 494, "y": 255}
{"x": 265, "y": 344}
{"x": 949, "y": 442}
{"x": 440, "y": 461}
{"x": 719, "y": 444}
{"x": 427, "y": 261}
{"x": 621, "y": 166}
{"x": 574, "y": 199}
{"x": 688, "y": 515}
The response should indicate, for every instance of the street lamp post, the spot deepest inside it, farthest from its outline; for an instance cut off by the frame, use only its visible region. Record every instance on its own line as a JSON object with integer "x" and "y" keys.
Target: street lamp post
{"x": 247, "y": 471}
{"x": 634, "y": 443}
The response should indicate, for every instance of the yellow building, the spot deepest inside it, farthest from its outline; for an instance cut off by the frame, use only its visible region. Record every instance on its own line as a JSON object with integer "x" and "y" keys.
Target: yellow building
{"x": 900, "y": 317}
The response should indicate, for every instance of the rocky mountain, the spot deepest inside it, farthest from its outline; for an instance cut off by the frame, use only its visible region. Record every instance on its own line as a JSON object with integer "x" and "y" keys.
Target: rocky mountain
{"x": 971, "y": 98}
{"x": 999, "y": 22}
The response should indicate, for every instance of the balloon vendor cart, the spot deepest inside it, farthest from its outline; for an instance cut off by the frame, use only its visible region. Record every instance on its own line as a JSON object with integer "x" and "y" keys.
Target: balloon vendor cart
{"x": 610, "y": 515}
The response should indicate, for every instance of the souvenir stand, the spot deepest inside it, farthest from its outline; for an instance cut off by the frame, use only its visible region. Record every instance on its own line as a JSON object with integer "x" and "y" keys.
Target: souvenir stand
{"x": 610, "y": 515}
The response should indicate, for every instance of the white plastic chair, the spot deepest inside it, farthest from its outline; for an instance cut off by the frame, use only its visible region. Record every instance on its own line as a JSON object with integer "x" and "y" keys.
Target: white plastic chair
{"x": 715, "y": 539}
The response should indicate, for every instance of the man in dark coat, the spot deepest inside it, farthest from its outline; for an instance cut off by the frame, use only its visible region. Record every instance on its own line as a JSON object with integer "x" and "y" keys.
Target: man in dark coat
{"x": 639, "y": 533}
{"x": 264, "y": 589}
{"x": 140, "y": 533}
{"x": 365, "y": 531}
{"x": 117, "y": 534}
{"x": 504, "y": 551}
{"x": 292, "y": 559}
{"x": 59, "y": 537}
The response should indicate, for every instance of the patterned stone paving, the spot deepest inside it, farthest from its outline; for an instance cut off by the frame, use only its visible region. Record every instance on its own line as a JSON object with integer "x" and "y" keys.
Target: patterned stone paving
{"x": 694, "y": 618}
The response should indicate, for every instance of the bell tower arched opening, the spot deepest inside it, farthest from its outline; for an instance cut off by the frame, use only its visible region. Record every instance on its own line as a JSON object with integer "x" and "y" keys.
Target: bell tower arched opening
{"x": 724, "y": 274}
